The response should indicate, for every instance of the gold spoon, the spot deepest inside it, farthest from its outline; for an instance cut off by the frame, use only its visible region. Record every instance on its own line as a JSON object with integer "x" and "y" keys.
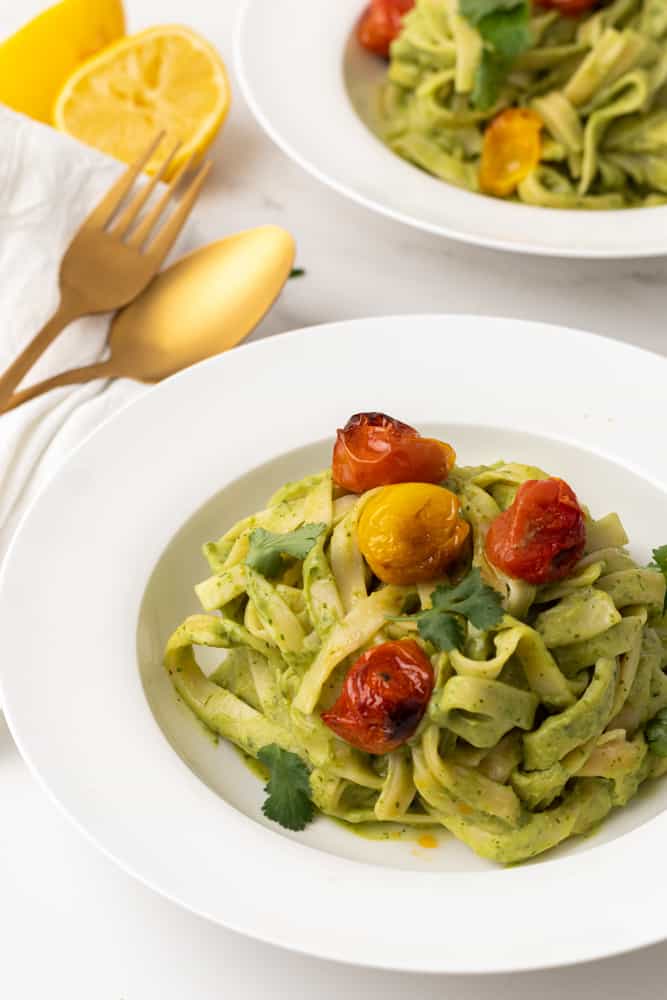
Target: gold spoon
{"x": 202, "y": 305}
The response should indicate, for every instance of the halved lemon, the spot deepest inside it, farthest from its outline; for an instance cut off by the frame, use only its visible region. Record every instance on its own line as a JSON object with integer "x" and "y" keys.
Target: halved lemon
{"x": 165, "y": 78}
{"x": 36, "y": 61}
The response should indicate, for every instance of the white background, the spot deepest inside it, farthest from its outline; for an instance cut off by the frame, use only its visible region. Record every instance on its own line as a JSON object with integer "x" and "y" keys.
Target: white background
{"x": 72, "y": 925}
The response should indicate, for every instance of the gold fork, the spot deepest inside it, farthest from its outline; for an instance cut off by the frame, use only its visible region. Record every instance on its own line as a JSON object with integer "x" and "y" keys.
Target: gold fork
{"x": 110, "y": 259}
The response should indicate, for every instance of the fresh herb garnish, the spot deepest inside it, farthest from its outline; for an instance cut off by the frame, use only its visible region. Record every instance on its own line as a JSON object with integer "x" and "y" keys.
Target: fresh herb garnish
{"x": 476, "y": 10}
{"x": 656, "y": 733}
{"x": 288, "y": 789}
{"x": 267, "y": 549}
{"x": 660, "y": 562}
{"x": 297, "y": 272}
{"x": 504, "y": 26}
{"x": 442, "y": 629}
{"x": 442, "y": 624}
{"x": 489, "y": 79}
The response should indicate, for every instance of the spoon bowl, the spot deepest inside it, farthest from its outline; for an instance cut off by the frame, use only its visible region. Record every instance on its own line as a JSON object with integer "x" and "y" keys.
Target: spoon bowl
{"x": 205, "y": 303}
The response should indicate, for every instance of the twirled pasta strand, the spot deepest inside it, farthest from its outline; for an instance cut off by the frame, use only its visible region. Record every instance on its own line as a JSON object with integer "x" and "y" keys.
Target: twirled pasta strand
{"x": 535, "y": 728}
{"x": 598, "y": 83}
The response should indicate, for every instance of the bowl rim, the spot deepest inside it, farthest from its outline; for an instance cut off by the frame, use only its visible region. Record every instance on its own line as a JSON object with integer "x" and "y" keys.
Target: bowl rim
{"x": 306, "y": 870}
{"x": 466, "y": 216}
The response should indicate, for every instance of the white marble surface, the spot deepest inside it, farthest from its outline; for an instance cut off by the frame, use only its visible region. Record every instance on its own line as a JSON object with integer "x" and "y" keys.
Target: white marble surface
{"x": 71, "y": 924}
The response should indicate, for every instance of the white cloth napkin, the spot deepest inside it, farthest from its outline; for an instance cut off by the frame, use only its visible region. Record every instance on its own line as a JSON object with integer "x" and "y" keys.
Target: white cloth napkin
{"x": 48, "y": 185}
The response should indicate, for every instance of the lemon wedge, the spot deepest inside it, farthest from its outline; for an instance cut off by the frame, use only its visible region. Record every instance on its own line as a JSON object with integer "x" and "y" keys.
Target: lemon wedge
{"x": 165, "y": 78}
{"x": 36, "y": 61}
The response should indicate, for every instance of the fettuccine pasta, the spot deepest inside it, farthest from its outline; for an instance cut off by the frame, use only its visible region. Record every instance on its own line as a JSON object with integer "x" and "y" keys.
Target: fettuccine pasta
{"x": 591, "y": 89}
{"x": 535, "y": 727}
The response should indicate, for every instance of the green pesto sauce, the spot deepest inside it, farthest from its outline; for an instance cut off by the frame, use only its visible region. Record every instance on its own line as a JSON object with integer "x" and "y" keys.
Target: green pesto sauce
{"x": 369, "y": 831}
{"x": 593, "y": 832}
{"x": 211, "y": 736}
{"x": 254, "y": 766}
{"x": 649, "y": 788}
{"x": 387, "y": 831}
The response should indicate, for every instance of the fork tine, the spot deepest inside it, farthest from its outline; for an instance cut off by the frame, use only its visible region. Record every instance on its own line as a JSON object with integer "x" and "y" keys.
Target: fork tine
{"x": 122, "y": 224}
{"x": 103, "y": 212}
{"x": 160, "y": 246}
{"x": 147, "y": 224}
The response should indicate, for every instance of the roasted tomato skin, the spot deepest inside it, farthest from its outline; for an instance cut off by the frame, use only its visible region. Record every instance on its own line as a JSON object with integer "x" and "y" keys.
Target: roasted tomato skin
{"x": 411, "y": 532}
{"x": 569, "y": 8}
{"x": 381, "y": 23}
{"x": 541, "y": 535}
{"x": 376, "y": 450}
{"x": 384, "y": 697}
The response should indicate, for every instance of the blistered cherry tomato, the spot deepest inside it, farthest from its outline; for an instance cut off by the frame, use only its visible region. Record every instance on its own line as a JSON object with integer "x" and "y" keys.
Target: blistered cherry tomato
{"x": 569, "y": 8}
{"x": 381, "y": 23}
{"x": 384, "y": 697}
{"x": 541, "y": 536}
{"x": 376, "y": 450}
{"x": 511, "y": 149}
{"x": 411, "y": 532}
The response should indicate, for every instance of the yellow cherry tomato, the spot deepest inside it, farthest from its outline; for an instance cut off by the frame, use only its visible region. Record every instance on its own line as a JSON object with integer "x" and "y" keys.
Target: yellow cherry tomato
{"x": 411, "y": 532}
{"x": 511, "y": 149}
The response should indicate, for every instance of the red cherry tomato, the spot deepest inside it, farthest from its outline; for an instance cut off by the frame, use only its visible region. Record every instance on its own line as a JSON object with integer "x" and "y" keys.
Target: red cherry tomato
{"x": 384, "y": 697}
{"x": 569, "y": 8}
{"x": 381, "y": 23}
{"x": 376, "y": 450}
{"x": 541, "y": 536}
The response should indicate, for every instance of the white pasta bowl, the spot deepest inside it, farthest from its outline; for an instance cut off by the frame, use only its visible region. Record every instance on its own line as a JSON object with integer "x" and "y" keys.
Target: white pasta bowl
{"x": 102, "y": 570}
{"x": 311, "y": 87}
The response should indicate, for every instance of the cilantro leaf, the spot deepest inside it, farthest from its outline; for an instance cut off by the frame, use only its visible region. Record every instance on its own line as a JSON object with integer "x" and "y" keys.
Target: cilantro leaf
{"x": 660, "y": 558}
{"x": 443, "y": 630}
{"x": 507, "y": 32}
{"x": 288, "y": 789}
{"x": 504, "y": 26}
{"x": 660, "y": 562}
{"x": 471, "y": 599}
{"x": 267, "y": 549}
{"x": 489, "y": 78}
{"x": 656, "y": 733}
{"x": 475, "y": 10}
